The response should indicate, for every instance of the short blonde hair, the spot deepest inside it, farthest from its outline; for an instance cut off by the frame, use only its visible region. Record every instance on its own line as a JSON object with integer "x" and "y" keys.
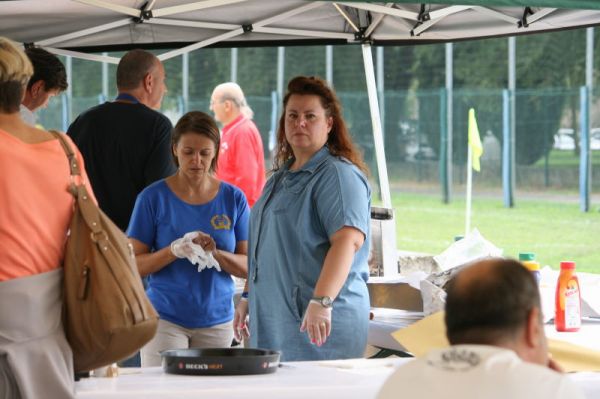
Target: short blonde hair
{"x": 15, "y": 71}
{"x": 14, "y": 64}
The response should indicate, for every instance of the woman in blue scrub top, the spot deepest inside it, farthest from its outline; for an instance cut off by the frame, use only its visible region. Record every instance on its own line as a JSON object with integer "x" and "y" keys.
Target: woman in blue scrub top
{"x": 309, "y": 236}
{"x": 195, "y": 306}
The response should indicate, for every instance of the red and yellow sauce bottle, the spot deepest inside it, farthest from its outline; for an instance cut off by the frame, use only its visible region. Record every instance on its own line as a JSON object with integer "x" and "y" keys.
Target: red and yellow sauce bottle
{"x": 568, "y": 299}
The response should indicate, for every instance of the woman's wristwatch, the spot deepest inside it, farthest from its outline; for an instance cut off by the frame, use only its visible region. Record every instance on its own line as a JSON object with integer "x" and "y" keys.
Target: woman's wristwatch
{"x": 324, "y": 301}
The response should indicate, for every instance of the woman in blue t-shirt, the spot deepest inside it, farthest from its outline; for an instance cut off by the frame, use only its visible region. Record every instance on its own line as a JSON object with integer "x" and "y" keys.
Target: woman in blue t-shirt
{"x": 195, "y": 302}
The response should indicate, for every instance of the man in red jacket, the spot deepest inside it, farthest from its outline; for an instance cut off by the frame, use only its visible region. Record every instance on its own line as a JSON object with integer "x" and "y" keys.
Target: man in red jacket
{"x": 241, "y": 156}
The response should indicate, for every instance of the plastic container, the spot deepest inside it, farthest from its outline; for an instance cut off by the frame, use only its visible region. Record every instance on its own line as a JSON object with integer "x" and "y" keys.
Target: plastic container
{"x": 528, "y": 260}
{"x": 568, "y": 299}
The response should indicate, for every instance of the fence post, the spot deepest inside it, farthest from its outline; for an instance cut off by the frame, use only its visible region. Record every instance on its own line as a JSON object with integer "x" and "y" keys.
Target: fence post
{"x": 443, "y": 155}
{"x": 65, "y": 111}
{"x": 273, "y": 130}
{"x": 584, "y": 155}
{"x": 507, "y": 166}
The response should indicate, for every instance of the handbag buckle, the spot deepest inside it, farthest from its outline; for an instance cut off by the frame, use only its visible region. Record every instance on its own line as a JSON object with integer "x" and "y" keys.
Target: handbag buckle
{"x": 98, "y": 235}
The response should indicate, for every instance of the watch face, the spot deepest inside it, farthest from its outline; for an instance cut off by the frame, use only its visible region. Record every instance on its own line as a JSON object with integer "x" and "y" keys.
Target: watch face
{"x": 326, "y": 301}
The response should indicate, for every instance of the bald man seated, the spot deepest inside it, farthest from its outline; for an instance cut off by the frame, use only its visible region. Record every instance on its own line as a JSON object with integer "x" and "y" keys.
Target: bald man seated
{"x": 499, "y": 350}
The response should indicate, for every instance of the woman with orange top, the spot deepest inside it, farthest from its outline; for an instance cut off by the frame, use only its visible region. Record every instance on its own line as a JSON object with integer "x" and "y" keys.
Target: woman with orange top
{"x": 35, "y": 212}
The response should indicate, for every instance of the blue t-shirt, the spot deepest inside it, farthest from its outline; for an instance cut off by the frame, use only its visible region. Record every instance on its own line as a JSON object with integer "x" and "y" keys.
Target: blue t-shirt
{"x": 180, "y": 293}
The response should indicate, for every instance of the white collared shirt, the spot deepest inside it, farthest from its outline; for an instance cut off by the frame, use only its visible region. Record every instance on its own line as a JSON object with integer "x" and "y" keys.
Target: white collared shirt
{"x": 27, "y": 115}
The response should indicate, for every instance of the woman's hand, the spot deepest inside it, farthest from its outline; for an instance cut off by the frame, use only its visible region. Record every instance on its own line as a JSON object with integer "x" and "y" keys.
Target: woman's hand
{"x": 240, "y": 320}
{"x": 317, "y": 323}
{"x": 205, "y": 241}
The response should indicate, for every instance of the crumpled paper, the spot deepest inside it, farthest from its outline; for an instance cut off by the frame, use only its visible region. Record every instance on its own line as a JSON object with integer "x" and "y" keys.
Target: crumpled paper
{"x": 467, "y": 250}
{"x": 461, "y": 253}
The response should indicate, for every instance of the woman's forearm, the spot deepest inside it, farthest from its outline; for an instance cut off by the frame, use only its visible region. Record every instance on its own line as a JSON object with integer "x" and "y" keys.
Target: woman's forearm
{"x": 152, "y": 262}
{"x": 232, "y": 263}
{"x": 338, "y": 261}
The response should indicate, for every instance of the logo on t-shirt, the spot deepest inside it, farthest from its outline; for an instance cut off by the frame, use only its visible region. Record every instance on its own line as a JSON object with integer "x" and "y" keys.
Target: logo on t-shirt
{"x": 456, "y": 360}
{"x": 221, "y": 222}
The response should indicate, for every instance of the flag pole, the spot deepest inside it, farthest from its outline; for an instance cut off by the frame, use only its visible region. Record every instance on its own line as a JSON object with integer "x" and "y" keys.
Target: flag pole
{"x": 474, "y": 152}
{"x": 469, "y": 189}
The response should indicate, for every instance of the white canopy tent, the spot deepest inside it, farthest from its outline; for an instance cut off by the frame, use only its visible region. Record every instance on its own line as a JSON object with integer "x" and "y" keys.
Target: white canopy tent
{"x": 81, "y": 28}
{"x": 101, "y": 25}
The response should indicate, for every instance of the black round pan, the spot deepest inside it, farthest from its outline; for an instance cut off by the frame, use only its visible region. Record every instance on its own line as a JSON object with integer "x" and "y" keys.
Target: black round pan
{"x": 220, "y": 361}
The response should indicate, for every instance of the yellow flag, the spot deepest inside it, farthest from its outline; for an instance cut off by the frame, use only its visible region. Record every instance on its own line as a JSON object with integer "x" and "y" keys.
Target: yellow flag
{"x": 474, "y": 140}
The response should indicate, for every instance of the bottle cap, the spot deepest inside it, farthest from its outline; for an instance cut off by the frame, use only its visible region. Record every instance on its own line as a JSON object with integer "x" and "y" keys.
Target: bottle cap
{"x": 526, "y": 256}
{"x": 532, "y": 266}
{"x": 567, "y": 265}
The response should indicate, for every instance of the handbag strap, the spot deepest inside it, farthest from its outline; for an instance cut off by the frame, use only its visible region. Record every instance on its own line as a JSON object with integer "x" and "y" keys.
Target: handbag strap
{"x": 73, "y": 162}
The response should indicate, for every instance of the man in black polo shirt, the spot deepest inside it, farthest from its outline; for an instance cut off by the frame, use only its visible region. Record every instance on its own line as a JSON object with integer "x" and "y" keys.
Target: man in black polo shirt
{"x": 126, "y": 143}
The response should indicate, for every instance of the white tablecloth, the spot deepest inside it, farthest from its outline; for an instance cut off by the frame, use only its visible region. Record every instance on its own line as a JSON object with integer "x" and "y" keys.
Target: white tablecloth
{"x": 360, "y": 379}
{"x": 348, "y": 379}
{"x": 355, "y": 379}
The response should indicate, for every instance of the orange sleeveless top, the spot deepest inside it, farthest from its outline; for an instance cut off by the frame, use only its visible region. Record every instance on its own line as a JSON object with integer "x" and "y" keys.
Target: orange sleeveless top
{"x": 35, "y": 206}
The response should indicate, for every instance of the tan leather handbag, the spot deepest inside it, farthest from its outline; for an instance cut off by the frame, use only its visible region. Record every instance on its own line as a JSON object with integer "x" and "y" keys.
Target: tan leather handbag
{"x": 107, "y": 315}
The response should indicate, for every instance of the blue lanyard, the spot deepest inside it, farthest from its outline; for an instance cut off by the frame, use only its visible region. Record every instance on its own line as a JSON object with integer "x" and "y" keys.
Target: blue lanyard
{"x": 127, "y": 97}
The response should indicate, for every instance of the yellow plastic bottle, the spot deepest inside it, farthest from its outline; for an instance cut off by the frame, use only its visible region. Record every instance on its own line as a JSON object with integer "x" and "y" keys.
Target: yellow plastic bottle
{"x": 528, "y": 260}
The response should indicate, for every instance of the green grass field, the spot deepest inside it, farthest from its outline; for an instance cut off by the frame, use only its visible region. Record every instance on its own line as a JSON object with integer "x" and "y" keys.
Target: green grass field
{"x": 567, "y": 159}
{"x": 554, "y": 231}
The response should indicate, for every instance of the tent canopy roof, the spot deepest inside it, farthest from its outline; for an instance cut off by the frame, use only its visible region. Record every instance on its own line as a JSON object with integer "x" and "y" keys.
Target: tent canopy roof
{"x": 101, "y": 25}
{"x": 581, "y": 4}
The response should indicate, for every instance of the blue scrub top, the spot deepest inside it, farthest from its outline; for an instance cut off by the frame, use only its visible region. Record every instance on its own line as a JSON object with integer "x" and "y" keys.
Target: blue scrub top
{"x": 290, "y": 228}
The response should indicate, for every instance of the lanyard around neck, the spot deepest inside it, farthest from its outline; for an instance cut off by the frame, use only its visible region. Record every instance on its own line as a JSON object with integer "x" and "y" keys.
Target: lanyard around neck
{"x": 127, "y": 98}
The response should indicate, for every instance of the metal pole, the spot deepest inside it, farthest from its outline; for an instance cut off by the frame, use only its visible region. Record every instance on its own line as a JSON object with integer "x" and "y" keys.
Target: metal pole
{"x": 585, "y": 166}
{"x": 447, "y": 180}
{"x": 388, "y": 227}
{"x": 384, "y": 184}
{"x": 443, "y": 163}
{"x": 185, "y": 81}
{"x": 584, "y": 156}
{"x": 381, "y": 87}
{"x": 69, "y": 116}
{"x": 506, "y": 196}
{"x": 589, "y": 58}
{"x": 512, "y": 79}
{"x": 280, "y": 70}
{"x": 234, "y": 64}
{"x": 329, "y": 64}
{"x": 105, "y": 78}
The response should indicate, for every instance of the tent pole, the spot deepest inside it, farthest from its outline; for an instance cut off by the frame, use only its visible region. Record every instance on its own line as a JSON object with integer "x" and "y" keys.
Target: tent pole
{"x": 381, "y": 87}
{"x": 384, "y": 184}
